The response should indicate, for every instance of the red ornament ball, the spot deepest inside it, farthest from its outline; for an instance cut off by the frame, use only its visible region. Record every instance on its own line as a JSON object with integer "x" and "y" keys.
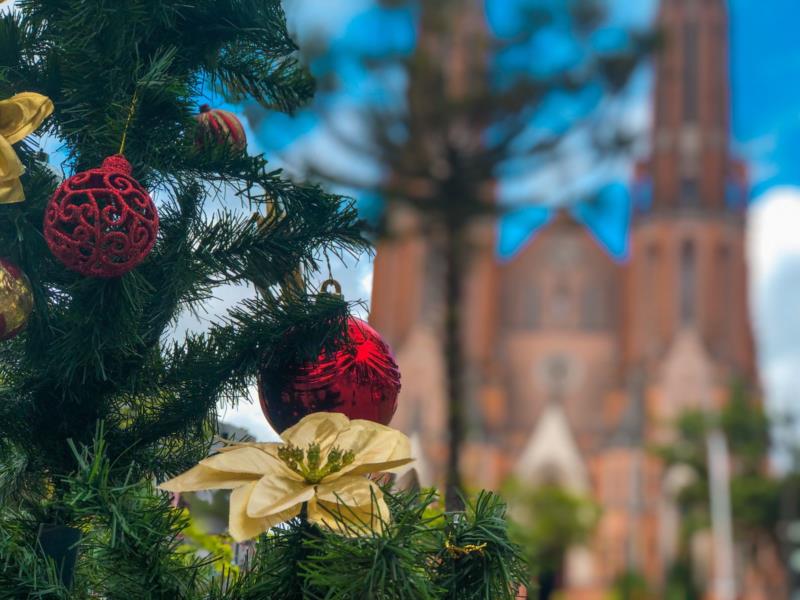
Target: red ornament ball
{"x": 101, "y": 222}
{"x": 217, "y": 127}
{"x": 16, "y": 300}
{"x": 360, "y": 380}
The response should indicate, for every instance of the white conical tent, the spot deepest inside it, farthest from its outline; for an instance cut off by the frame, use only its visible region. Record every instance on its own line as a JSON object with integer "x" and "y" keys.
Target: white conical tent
{"x": 552, "y": 455}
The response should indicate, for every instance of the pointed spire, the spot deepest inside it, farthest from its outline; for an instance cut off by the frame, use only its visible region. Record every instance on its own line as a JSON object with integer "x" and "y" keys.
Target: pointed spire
{"x": 690, "y": 147}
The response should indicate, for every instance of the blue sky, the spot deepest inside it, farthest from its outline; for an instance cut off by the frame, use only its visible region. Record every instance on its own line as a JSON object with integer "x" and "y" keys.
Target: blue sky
{"x": 765, "y": 76}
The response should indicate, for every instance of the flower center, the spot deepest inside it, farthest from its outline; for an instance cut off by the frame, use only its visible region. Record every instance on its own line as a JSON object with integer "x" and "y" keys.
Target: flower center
{"x": 308, "y": 463}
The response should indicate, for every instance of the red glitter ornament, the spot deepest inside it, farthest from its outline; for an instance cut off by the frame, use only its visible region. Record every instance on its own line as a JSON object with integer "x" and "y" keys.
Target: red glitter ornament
{"x": 101, "y": 222}
{"x": 360, "y": 380}
{"x": 219, "y": 127}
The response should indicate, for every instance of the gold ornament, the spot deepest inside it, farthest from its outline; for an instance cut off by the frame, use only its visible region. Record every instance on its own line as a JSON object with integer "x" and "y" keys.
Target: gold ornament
{"x": 322, "y": 463}
{"x": 20, "y": 115}
{"x": 16, "y": 300}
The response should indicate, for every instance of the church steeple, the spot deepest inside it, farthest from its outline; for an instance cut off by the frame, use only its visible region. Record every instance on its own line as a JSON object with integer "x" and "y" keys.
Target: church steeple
{"x": 690, "y": 166}
{"x": 688, "y": 268}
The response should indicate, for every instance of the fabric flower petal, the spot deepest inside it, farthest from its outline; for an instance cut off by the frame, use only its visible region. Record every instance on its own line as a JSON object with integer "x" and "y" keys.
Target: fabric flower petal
{"x": 268, "y": 447}
{"x": 376, "y": 447}
{"x": 350, "y": 521}
{"x": 349, "y": 490}
{"x": 321, "y": 428}
{"x": 273, "y": 495}
{"x": 245, "y": 459}
{"x": 20, "y": 115}
{"x": 243, "y": 527}
{"x": 202, "y": 477}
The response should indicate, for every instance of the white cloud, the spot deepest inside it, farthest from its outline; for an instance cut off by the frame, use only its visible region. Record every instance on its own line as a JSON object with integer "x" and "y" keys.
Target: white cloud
{"x": 247, "y": 414}
{"x": 773, "y": 226}
{"x": 366, "y": 283}
{"x": 774, "y": 259}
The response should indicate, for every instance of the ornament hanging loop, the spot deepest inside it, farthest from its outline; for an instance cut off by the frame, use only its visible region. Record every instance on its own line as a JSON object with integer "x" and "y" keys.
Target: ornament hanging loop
{"x": 294, "y": 283}
{"x": 131, "y": 111}
{"x": 326, "y": 285}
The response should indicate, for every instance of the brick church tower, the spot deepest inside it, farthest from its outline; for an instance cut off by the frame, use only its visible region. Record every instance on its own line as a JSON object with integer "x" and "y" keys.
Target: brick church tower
{"x": 576, "y": 363}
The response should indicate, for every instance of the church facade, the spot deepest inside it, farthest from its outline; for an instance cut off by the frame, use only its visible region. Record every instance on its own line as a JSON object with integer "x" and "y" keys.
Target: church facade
{"x": 577, "y": 364}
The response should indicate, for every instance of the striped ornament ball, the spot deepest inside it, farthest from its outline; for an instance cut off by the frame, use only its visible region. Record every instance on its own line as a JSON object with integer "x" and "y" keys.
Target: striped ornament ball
{"x": 217, "y": 127}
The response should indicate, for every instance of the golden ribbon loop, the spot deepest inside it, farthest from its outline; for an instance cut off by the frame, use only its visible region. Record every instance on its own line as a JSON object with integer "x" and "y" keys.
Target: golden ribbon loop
{"x": 460, "y": 551}
{"x": 20, "y": 115}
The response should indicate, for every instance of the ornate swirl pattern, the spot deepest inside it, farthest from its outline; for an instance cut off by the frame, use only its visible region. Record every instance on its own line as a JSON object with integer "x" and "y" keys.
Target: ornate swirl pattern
{"x": 101, "y": 222}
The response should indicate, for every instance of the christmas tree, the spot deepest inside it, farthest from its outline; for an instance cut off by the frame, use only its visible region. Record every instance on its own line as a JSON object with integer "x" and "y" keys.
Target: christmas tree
{"x": 99, "y": 403}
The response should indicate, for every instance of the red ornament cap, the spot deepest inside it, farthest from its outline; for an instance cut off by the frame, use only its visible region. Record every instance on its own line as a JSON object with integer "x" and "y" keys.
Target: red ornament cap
{"x": 101, "y": 222}
{"x": 117, "y": 162}
{"x": 360, "y": 380}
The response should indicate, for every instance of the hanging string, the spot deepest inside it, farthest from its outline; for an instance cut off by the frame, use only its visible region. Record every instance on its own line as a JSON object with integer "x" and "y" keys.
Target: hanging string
{"x": 131, "y": 110}
{"x": 294, "y": 283}
{"x": 328, "y": 262}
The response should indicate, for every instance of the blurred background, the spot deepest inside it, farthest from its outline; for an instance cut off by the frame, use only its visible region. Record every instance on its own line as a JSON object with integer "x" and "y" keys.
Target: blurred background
{"x": 587, "y": 263}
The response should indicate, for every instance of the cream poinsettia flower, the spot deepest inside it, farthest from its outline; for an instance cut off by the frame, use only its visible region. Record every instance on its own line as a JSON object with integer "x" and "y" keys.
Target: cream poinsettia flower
{"x": 20, "y": 115}
{"x": 322, "y": 463}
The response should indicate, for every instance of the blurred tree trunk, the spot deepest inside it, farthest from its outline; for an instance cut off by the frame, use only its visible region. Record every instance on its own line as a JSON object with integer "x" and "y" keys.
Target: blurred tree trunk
{"x": 546, "y": 585}
{"x": 454, "y": 361}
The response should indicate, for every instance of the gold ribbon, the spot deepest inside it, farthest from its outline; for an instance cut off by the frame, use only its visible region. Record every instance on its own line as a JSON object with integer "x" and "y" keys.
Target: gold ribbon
{"x": 460, "y": 551}
{"x": 20, "y": 115}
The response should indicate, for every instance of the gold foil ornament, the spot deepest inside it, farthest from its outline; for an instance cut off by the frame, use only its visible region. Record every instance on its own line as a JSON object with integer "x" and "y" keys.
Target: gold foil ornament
{"x": 16, "y": 300}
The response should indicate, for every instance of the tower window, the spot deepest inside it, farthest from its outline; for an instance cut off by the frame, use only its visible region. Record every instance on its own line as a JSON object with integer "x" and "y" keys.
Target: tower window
{"x": 688, "y": 282}
{"x": 690, "y": 71}
{"x": 650, "y": 296}
{"x": 689, "y": 192}
{"x": 725, "y": 290}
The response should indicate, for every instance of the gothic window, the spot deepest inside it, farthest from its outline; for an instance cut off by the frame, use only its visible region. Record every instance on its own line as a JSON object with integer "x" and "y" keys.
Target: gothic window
{"x": 557, "y": 373}
{"x": 650, "y": 292}
{"x": 593, "y": 313}
{"x": 530, "y": 310}
{"x": 561, "y": 304}
{"x": 724, "y": 290}
{"x": 690, "y": 72}
{"x": 521, "y": 308}
{"x": 688, "y": 282}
